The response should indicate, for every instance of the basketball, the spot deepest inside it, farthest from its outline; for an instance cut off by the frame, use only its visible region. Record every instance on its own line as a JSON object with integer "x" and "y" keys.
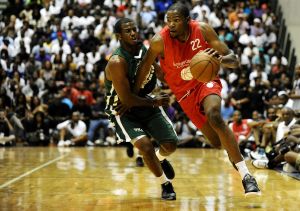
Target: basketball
{"x": 204, "y": 67}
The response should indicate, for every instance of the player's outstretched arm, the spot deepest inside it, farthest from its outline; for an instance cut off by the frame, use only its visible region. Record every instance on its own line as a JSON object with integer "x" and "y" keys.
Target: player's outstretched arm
{"x": 156, "y": 48}
{"x": 229, "y": 60}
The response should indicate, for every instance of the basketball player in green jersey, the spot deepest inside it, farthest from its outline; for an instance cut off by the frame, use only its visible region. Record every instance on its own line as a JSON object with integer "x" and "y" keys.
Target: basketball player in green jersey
{"x": 143, "y": 117}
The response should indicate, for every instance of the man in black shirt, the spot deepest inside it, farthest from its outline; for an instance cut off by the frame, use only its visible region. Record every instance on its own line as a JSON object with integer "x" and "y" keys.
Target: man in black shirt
{"x": 5, "y": 129}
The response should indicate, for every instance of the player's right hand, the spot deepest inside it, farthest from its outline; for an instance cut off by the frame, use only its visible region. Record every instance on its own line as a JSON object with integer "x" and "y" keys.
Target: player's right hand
{"x": 212, "y": 52}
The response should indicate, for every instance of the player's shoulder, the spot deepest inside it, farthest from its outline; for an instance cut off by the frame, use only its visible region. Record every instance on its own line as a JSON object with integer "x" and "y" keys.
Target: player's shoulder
{"x": 115, "y": 62}
{"x": 206, "y": 30}
{"x": 115, "y": 59}
{"x": 204, "y": 26}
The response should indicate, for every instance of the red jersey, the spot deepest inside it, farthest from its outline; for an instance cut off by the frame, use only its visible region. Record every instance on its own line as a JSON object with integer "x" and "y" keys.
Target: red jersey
{"x": 240, "y": 129}
{"x": 178, "y": 55}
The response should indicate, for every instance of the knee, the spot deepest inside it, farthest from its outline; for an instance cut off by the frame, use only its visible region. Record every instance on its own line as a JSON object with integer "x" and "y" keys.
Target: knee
{"x": 144, "y": 146}
{"x": 169, "y": 147}
{"x": 290, "y": 157}
{"x": 214, "y": 117}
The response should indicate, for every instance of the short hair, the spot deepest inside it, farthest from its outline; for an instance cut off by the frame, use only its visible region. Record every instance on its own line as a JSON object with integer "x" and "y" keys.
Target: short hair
{"x": 181, "y": 8}
{"x": 118, "y": 24}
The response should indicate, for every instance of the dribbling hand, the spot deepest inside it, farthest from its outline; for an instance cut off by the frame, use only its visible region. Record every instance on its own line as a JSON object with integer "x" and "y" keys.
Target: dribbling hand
{"x": 212, "y": 52}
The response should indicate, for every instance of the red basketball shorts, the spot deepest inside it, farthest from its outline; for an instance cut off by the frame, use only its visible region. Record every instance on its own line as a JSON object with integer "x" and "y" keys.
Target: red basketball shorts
{"x": 192, "y": 103}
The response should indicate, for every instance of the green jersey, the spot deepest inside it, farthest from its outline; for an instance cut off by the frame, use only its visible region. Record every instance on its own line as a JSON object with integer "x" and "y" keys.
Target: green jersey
{"x": 133, "y": 62}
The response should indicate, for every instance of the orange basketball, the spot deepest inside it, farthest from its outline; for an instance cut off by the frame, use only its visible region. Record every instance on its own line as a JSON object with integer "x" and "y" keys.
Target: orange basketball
{"x": 204, "y": 67}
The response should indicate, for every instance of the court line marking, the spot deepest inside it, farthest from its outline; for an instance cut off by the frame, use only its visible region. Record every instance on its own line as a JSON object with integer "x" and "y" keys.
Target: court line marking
{"x": 31, "y": 171}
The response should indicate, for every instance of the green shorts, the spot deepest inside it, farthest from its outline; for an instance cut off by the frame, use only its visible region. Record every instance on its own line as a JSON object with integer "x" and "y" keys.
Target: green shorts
{"x": 139, "y": 122}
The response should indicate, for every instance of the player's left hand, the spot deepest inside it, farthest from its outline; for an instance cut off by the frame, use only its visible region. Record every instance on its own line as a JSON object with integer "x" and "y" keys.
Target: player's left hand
{"x": 121, "y": 108}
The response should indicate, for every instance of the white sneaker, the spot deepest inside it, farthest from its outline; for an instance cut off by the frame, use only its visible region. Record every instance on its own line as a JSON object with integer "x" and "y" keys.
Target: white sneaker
{"x": 111, "y": 140}
{"x": 68, "y": 143}
{"x": 61, "y": 143}
{"x": 99, "y": 142}
{"x": 289, "y": 168}
{"x": 260, "y": 164}
{"x": 90, "y": 143}
{"x": 258, "y": 156}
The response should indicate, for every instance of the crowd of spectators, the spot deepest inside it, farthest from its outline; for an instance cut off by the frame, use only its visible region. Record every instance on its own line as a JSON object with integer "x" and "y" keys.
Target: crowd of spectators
{"x": 53, "y": 54}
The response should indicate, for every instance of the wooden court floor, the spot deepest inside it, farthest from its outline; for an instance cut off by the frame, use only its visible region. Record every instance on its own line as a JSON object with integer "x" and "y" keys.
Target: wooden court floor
{"x": 106, "y": 179}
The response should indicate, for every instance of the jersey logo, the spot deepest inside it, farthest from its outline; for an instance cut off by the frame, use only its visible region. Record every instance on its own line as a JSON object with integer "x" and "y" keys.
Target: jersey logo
{"x": 137, "y": 129}
{"x": 140, "y": 55}
{"x": 210, "y": 85}
{"x": 186, "y": 74}
{"x": 196, "y": 44}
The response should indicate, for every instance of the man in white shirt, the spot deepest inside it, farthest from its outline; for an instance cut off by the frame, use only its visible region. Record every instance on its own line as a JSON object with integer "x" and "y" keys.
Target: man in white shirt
{"x": 287, "y": 115}
{"x": 285, "y": 100}
{"x": 73, "y": 130}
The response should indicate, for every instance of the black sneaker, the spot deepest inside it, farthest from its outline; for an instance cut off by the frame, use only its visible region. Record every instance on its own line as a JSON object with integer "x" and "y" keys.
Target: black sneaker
{"x": 168, "y": 169}
{"x": 168, "y": 192}
{"x": 139, "y": 162}
{"x": 250, "y": 185}
{"x": 129, "y": 150}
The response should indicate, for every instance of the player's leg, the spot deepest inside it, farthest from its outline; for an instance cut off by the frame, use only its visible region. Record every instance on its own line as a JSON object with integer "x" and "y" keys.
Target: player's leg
{"x": 211, "y": 135}
{"x": 161, "y": 129}
{"x": 213, "y": 138}
{"x": 131, "y": 130}
{"x": 212, "y": 109}
{"x": 212, "y": 105}
{"x": 146, "y": 149}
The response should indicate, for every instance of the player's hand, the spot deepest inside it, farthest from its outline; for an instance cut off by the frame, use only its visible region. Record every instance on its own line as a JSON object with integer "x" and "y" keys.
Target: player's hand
{"x": 212, "y": 52}
{"x": 121, "y": 108}
{"x": 161, "y": 100}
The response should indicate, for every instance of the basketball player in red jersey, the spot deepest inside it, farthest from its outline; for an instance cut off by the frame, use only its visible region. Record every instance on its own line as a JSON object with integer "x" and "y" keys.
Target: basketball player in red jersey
{"x": 175, "y": 45}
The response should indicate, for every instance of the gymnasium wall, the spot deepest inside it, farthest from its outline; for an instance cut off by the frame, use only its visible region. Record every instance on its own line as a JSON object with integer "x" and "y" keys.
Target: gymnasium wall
{"x": 291, "y": 9}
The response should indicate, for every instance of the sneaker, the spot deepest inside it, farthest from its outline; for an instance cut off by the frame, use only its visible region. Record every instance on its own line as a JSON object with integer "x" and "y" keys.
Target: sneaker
{"x": 61, "y": 143}
{"x": 110, "y": 140}
{"x": 139, "y": 162}
{"x": 260, "y": 164}
{"x": 289, "y": 168}
{"x": 250, "y": 185}
{"x": 168, "y": 169}
{"x": 129, "y": 150}
{"x": 68, "y": 143}
{"x": 90, "y": 143}
{"x": 258, "y": 156}
{"x": 99, "y": 142}
{"x": 2, "y": 143}
{"x": 168, "y": 192}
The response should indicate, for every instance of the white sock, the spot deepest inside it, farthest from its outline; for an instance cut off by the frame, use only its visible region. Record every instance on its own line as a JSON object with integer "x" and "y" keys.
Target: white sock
{"x": 243, "y": 170}
{"x": 163, "y": 179}
{"x": 159, "y": 156}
